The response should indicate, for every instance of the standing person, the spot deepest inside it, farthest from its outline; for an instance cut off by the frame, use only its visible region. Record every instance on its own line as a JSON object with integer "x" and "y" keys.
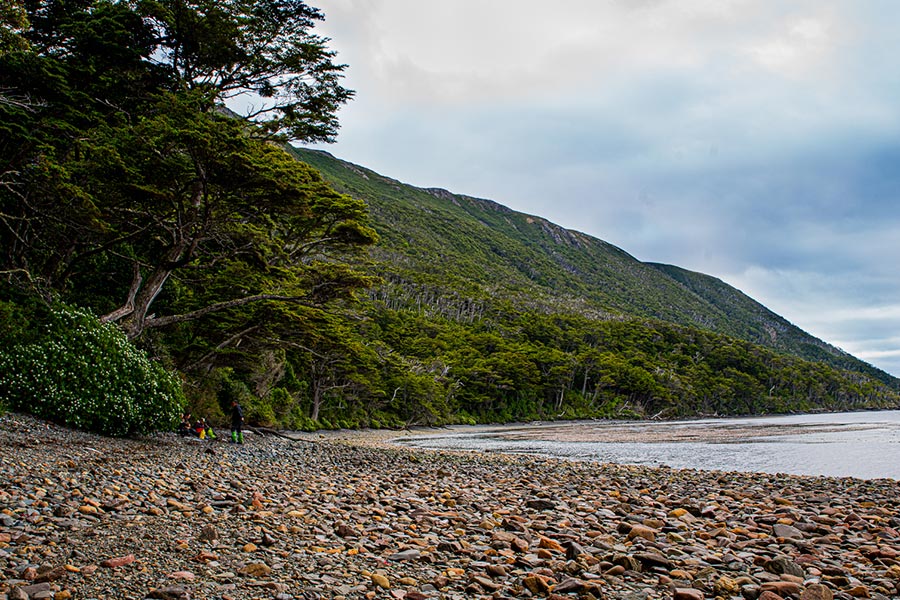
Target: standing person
{"x": 237, "y": 422}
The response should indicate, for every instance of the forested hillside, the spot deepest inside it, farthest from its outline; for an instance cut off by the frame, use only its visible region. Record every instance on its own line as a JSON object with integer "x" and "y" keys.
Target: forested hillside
{"x": 531, "y": 320}
{"x": 157, "y": 250}
{"x": 446, "y": 244}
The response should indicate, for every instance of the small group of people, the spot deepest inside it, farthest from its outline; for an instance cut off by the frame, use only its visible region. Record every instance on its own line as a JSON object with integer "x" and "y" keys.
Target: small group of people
{"x": 199, "y": 428}
{"x": 202, "y": 430}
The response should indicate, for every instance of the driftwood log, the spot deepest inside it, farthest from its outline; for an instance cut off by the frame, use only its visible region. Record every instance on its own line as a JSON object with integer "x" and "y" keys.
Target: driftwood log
{"x": 275, "y": 432}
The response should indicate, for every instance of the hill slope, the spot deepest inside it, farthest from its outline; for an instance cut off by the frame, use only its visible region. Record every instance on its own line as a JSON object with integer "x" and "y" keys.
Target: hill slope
{"x": 438, "y": 244}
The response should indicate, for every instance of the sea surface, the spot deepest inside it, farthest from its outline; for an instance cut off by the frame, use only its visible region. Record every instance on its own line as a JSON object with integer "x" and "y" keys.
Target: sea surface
{"x": 865, "y": 445}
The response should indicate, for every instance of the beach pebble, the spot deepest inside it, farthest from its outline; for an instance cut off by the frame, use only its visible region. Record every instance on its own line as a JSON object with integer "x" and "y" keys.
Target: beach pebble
{"x": 817, "y": 591}
{"x": 348, "y": 515}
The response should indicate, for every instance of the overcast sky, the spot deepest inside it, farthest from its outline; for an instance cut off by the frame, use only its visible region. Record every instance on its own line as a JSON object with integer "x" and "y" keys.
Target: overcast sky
{"x": 757, "y": 141}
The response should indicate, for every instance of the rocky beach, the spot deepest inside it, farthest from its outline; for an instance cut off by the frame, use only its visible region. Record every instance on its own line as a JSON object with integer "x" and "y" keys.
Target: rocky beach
{"x": 350, "y": 516}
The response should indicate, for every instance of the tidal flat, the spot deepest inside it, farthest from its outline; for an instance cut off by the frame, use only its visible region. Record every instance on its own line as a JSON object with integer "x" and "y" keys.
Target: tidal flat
{"x": 858, "y": 444}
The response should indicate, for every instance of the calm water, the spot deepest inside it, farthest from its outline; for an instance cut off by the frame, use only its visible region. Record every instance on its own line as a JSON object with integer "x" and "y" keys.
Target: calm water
{"x": 864, "y": 445}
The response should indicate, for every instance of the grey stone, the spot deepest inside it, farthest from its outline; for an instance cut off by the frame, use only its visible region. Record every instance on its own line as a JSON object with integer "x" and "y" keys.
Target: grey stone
{"x": 411, "y": 554}
{"x": 787, "y": 531}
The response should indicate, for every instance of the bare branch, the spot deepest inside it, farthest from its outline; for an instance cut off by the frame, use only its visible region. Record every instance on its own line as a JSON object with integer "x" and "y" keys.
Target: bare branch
{"x": 11, "y": 271}
{"x": 300, "y": 347}
{"x": 106, "y": 247}
{"x": 25, "y": 103}
{"x": 303, "y": 247}
{"x": 127, "y": 308}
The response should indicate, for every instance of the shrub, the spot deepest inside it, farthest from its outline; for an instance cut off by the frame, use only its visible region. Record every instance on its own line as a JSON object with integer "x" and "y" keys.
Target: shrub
{"x": 282, "y": 405}
{"x": 300, "y": 422}
{"x": 15, "y": 322}
{"x": 85, "y": 374}
{"x": 207, "y": 406}
{"x": 259, "y": 412}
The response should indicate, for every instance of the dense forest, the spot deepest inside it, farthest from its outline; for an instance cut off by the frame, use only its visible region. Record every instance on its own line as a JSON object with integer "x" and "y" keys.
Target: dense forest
{"x": 164, "y": 242}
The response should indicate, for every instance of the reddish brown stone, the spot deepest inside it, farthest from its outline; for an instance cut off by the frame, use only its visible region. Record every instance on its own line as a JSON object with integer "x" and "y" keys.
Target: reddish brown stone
{"x": 782, "y": 588}
{"x": 817, "y": 591}
{"x": 648, "y": 533}
{"x": 120, "y": 561}
{"x": 536, "y": 584}
{"x": 687, "y": 594}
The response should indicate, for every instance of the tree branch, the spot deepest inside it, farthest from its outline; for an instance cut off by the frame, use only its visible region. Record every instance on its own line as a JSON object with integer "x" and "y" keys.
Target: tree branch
{"x": 11, "y": 271}
{"x": 23, "y": 103}
{"x": 300, "y": 347}
{"x": 99, "y": 249}
{"x": 227, "y": 342}
{"x": 127, "y": 308}
{"x": 218, "y": 307}
{"x": 303, "y": 247}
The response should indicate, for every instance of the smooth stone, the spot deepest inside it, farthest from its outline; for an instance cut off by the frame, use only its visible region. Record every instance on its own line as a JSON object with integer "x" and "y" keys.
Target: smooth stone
{"x": 817, "y": 591}
{"x": 784, "y": 566}
{"x": 780, "y": 530}
{"x": 411, "y": 554}
{"x": 687, "y": 594}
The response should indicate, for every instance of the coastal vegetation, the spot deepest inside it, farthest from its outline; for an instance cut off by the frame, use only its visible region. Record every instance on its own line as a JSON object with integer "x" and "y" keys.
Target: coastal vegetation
{"x": 159, "y": 249}
{"x": 55, "y": 376}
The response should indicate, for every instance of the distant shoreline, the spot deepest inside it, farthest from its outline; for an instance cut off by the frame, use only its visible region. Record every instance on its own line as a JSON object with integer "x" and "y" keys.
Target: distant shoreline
{"x": 858, "y": 444}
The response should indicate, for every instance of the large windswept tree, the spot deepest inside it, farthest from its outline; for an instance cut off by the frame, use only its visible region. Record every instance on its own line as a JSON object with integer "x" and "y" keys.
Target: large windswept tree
{"x": 260, "y": 55}
{"x": 130, "y": 186}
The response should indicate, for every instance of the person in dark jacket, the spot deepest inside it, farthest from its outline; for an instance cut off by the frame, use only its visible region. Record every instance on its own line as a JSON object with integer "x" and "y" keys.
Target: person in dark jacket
{"x": 237, "y": 422}
{"x": 185, "y": 427}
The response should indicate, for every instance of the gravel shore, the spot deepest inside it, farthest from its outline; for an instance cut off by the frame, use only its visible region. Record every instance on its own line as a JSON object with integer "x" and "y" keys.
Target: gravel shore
{"x": 348, "y": 516}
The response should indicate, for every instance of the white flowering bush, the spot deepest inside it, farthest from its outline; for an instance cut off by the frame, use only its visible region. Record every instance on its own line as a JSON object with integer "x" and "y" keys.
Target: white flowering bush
{"x": 86, "y": 374}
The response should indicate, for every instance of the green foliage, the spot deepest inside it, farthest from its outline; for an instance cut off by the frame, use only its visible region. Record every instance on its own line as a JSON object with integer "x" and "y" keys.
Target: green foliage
{"x": 520, "y": 366}
{"x": 538, "y": 366}
{"x": 15, "y": 324}
{"x": 231, "y": 389}
{"x": 260, "y": 412}
{"x": 455, "y": 256}
{"x": 208, "y": 407}
{"x": 126, "y": 187}
{"x": 13, "y": 21}
{"x": 125, "y": 172}
{"x": 88, "y": 375}
{"x": 265, "y": 50}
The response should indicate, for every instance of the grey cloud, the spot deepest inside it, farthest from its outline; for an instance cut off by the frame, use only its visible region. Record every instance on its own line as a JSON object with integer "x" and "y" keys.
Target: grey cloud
{"x": 754, "y": 141}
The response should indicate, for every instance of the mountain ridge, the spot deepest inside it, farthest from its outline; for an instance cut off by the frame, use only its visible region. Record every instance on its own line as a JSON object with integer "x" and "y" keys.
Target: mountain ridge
{"x": 601, "y": 280}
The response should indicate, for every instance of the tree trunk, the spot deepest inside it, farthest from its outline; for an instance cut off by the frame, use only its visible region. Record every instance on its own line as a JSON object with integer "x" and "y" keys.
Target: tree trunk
{"x": 316, "y": 403}
{"x": 132, "y": 315}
